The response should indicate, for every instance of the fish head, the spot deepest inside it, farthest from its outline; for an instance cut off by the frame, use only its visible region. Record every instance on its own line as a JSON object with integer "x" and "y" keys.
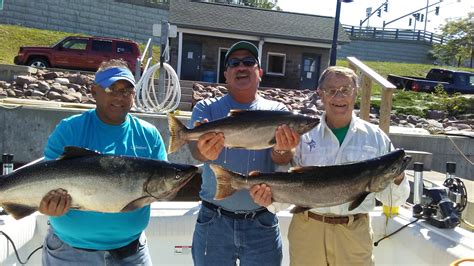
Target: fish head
{"x": 167, "y": 181}
{"x": 391, "y": 169}
{"x": 304, "y": 123}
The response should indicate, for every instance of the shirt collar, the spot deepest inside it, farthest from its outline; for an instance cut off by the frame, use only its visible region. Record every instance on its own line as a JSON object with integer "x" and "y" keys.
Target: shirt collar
{"x": 356, "y": 124}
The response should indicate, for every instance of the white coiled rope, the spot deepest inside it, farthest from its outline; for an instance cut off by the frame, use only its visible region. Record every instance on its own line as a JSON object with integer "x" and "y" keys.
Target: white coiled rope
{"x": 146, "y": 98}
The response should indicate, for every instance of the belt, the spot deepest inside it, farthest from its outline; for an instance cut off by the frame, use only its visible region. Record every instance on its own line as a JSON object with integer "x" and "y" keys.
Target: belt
{"x": 335, "y": 219}
{"x": 237, "y": 214}
{"x": 122, "y": 252}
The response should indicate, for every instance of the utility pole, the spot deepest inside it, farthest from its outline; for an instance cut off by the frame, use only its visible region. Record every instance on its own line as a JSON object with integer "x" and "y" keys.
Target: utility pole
{"x": 426, "y": 16}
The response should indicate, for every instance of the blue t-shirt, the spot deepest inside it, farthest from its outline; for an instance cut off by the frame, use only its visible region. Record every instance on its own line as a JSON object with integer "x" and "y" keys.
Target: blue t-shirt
{"x": 134, "y": 137}
{"x": 238, "y": 160}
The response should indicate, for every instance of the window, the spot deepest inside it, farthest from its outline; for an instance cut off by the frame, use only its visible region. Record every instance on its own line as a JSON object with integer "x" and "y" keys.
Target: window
{"x": 77, "y": 44}
{"x": 471, "y": 80}
{"x": 1, "y": 4}
{"x": 123, "y": 47}
{"x": 102, "y": 46}
{"x": 276, "y": 64}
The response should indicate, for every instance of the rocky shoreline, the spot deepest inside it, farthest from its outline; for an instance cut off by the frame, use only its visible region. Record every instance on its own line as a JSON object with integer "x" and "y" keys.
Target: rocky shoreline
{"x": 75, "y": 88}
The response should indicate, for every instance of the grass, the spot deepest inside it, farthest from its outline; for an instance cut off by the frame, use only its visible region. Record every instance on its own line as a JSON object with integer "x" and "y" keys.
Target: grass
{"x": 12, "y": 37}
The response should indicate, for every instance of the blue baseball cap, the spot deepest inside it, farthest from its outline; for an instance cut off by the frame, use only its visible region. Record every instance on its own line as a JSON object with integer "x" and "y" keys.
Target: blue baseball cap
{"x": 111, "y": 75}
{"x": 242, "y": 45}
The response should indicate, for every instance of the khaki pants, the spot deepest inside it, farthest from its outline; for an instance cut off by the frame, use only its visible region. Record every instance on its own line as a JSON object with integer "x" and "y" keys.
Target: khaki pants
{"x": 316, "y": 243}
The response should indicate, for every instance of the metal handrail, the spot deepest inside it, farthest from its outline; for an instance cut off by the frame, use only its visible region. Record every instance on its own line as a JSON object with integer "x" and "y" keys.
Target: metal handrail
{"x": 393, "y": 34}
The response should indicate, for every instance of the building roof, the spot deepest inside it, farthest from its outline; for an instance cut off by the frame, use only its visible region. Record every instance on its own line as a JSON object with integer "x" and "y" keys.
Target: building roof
{"x": 253, "y": 21}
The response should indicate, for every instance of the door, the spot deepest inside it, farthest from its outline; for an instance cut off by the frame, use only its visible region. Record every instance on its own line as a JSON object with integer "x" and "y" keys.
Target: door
{"x": 70, "y": 53}
{"x": 310, "y": 71}
{"x": 191, "y": 61}
{"x": 100, "y": 50}
{"x": 221, "y": 78}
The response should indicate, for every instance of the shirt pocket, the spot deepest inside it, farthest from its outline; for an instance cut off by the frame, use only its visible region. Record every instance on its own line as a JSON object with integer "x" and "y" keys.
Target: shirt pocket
{"x": 357, "y": 153}
{"x": 315, "y": 157}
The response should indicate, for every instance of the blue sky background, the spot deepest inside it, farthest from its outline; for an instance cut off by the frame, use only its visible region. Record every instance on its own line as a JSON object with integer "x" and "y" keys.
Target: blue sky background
{"x": 352, "y": 13}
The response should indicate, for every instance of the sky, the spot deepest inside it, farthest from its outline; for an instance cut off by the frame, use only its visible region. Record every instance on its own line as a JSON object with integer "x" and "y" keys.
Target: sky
{"x": 352, "y": 13}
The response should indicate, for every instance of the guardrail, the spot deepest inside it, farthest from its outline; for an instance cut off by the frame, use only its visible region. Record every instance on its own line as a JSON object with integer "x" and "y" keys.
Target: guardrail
{"x": 367, "y": 77}
{"x": 393, "y": 34}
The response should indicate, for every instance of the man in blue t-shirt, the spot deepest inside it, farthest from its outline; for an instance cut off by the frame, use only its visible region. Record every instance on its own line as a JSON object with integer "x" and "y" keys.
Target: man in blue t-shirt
{"x": 237, "y": 228}
{"x": 93, "y": 238}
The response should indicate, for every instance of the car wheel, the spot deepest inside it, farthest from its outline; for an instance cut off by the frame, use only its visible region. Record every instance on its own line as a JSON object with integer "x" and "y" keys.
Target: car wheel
{"x": 38, "y": 63}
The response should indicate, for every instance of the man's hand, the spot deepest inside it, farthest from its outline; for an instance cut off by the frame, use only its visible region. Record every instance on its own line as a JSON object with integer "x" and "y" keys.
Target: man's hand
{"x": 55, "y": 203}
{"x": 210, "y": 145}
{"x": 286, "y": 141}
{"x": 398, "y": 180}
{"x": 286, "y": 138}
{"x": 261, "y": 194}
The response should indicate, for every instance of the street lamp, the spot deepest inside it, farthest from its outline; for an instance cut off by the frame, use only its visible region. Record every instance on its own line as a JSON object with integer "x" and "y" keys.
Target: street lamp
{"x": 332, "y": 60}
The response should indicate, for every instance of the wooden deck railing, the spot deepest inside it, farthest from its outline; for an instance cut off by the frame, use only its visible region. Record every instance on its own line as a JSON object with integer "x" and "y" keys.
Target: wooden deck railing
{"x": 367, "y": 77}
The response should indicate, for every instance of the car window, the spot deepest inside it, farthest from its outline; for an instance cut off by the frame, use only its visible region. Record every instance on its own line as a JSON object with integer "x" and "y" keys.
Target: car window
{"x": 471, "y": 80}
{"x": 75, "y": 44}
{"x": 124, "y": 47}
{"x": 102, "y": 46}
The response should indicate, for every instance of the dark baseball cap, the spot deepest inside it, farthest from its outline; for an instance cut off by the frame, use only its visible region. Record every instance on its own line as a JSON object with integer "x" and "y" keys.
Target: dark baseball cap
{"x": 242, "y": 45}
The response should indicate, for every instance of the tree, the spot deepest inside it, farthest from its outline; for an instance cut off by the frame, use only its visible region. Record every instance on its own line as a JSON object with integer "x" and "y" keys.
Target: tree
{"x": 459, "y": 41}
{"x": 266, "y": 4}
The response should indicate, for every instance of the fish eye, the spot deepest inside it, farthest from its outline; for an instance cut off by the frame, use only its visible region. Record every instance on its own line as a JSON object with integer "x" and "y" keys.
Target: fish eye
{"x": 177, "y": 176}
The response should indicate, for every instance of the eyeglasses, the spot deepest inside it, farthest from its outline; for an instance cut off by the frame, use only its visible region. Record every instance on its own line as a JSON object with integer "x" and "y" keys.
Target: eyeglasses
{"x": 247, "y": 61}
{"x": 125, "y": 92}
{"x": 345, "y": 91}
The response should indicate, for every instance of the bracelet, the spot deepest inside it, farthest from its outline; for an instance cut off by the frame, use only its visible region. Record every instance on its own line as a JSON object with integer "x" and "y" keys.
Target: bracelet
{"x": 280, "y": 152}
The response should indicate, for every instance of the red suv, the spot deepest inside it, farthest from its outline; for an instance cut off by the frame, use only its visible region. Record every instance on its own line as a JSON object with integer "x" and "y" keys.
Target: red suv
{"x": 77, "y": 52}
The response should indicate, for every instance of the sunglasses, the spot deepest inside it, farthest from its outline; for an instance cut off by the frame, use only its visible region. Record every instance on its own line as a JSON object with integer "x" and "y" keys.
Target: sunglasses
{"x": 247, "y": 61}
{"x": 126, "y": 92}
{"x": 345, "y": 91}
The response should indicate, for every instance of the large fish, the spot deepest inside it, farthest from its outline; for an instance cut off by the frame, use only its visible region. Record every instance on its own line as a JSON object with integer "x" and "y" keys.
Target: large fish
{"x": 252, "y": 130}
{"x": 319, "y": 186}
{"x": 96, "y": 182}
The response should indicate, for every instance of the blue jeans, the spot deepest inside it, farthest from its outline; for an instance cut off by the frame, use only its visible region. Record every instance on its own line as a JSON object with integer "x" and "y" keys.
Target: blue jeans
{"x": 221, "y": 240}
{"x": 56, "y": 252}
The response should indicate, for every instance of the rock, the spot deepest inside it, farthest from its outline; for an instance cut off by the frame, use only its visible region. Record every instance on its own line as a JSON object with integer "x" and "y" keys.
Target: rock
{"x": 53, "y": 95}
{"x": 50, "y": 75}
{"x": 435, "y": 114}
{"x": 62, "y": 81}
{"x": 25, "y": 80}
{"x": 79, "y": 79}
{"x": 68, "y": 98}
{"x": 43, "y": 86}
{"x": 463, "y": 126}
{"x": 37, "y": 93}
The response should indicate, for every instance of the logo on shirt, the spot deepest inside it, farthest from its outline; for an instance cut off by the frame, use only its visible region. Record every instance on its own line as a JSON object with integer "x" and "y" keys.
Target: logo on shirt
{"x": 311, "y": 145}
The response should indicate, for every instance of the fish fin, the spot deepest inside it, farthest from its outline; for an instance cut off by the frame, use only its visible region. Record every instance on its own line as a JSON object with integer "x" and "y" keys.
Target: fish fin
{"x": 176, "y": 129}
{"x": 71, "y": 152}
{"x": 301, "y": 169}
{"x": 358, "y": 201}
{"x": 138, "y": 203}
{"x": 18, "y": 211}
{"x": 298, "y": 209}
{"x": 254, "y": 173}
{"x": 236, "y": 112}
{"x": 224, "y": 188}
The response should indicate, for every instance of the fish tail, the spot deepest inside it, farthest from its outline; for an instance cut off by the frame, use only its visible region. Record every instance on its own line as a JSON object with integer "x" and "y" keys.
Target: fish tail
{"x": 177, "y": 138}
{"x": 224, "y": 177}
